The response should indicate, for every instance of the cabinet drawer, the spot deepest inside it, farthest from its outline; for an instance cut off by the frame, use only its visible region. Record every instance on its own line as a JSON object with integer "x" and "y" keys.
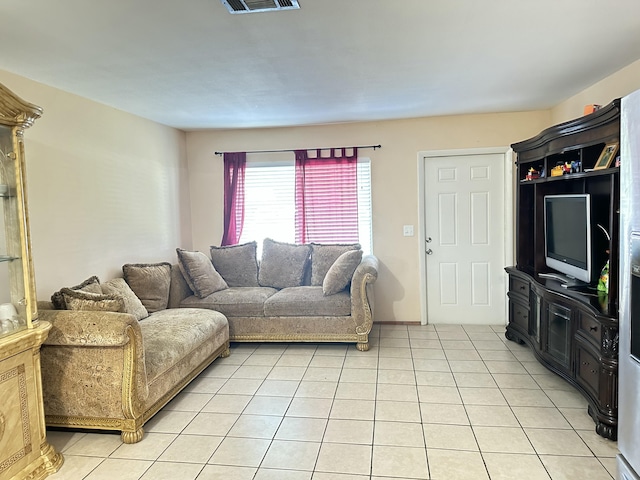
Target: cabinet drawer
{"x": 591, "y": 328}
{"x": 519, "y": 287}
{"x": 588, "y": 370}
{"x": 519, "y": 315}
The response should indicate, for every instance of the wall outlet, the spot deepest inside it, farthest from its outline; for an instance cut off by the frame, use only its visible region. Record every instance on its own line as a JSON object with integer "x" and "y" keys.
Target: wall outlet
{"x": 407, "y": 230}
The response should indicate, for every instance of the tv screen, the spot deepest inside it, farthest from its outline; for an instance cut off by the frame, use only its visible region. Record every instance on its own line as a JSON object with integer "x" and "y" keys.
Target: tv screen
{"x": 567, "y": 222}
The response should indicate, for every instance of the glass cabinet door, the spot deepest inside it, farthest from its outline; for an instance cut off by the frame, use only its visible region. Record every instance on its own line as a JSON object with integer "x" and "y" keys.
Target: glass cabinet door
{"x": 559, "y": 333}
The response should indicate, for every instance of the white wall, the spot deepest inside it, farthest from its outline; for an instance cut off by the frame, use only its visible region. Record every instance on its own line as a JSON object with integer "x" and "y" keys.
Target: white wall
{"x": 104, "y": 188}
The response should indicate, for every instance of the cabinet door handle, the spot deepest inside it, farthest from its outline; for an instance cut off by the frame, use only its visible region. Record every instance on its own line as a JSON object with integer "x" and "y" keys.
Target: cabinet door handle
{"x": 522, "y": 287}
{"x": 594, "y": 329}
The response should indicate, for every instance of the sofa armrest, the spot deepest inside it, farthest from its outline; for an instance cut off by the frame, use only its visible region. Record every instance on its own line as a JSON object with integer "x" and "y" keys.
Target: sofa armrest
{"x": 362, "y": 301}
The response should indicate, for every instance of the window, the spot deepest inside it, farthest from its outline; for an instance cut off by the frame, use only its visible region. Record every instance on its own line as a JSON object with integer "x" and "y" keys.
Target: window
{"x": 270, "y": 202}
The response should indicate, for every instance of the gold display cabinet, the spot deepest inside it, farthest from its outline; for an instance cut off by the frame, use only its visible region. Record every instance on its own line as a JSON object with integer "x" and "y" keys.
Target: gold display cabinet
{"x": 24, "y": 450}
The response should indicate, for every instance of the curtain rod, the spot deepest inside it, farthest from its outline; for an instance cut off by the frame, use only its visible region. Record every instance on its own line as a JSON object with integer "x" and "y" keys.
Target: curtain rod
{"x": 294, "y": 149}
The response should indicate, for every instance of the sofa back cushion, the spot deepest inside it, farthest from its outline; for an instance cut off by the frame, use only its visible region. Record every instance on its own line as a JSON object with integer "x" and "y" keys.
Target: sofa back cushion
{"x": 341, "y": 272}
{"x": 199, "y": 272}
{"x": 238, "y": 264}
{"x": 132, "y": 304}
{"x": 150, "y": 282}
{"x": 323, "y": 255}
{"x": 87, "y": 301}
{"x": 283, "y": 264}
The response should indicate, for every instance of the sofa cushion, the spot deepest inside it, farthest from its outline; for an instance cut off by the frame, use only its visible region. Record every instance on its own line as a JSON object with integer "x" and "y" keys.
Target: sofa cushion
{"x": 283, "y": 264}
{"x": 80, "y": 300}
{"x": 234, "y": 301}
{"x": 132, "y": 304}
{"x": 341, "y": 272}
{"x": 323, "y": 255}
{"x": 199, "y": 272}
{"x": 307, "y": 301}
{"x": 150, "y": 282}
{"x": 170, "y": 335}
{"x": 91, "y": 284}
{"x": 238, "y": 264}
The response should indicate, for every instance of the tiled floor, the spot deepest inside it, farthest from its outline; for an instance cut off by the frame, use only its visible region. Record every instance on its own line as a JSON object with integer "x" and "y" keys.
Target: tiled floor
{"x": 432, "y": 402}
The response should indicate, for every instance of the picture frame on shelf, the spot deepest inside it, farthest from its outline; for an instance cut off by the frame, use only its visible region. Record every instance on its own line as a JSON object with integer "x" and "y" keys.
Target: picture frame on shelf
{"x": 606, "y": 157}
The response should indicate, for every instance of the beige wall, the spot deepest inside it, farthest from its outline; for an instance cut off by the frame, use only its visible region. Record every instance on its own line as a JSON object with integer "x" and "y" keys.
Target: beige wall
{"x": 621, "y": 83}
{"x": 394, "y": 182}
{"x": 105, "y": 188}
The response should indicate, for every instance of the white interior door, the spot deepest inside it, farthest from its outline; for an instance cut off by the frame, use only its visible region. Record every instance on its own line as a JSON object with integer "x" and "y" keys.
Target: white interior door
{"x": 464, "y": 208}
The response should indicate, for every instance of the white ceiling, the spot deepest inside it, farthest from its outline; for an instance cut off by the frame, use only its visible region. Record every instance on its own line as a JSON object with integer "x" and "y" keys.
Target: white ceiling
{"x": 191, "y": 64}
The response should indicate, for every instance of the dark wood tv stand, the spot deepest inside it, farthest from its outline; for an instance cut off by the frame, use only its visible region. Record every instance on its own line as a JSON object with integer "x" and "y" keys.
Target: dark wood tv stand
{"x": 573, "y": 332}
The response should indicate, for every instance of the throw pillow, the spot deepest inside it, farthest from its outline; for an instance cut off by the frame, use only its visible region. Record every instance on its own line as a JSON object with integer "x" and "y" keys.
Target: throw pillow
{"x": 79, "y": 300}
{"x": 150, "y": 282}
{"x": 283, "y": 264}
{"x": 198, "y": 271}
{"x": 340, "y": 273}
{"x": 238, "y": 264}
{"x": 323, "y": 255}
{"x": 132, "y": 304}
{"x": 91, "y": 284}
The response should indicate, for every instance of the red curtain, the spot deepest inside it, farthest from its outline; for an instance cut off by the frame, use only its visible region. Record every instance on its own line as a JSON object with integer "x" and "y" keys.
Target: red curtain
{"x": 234, "y": 167}
{"x": 327, "y": 196}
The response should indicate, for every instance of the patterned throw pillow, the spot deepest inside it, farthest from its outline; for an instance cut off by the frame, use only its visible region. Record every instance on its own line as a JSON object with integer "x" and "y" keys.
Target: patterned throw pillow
{"x": 79, "y": 300}
{"x": 198, "y": 271}
{"x": 341, "y": 272}
{"x": 323, "y": 255}
{"x": 132, "y": 304}
{"x": 283, "y": 264}
{"x": 91, "y": 284}
{"x": 238, "y": 264}
{"x": 150, "y": 282}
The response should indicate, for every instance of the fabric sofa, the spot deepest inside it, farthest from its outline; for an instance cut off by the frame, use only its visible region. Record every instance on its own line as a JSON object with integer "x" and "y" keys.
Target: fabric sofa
{"x": 116, "y": 355}
{"x": 296, "y": 293}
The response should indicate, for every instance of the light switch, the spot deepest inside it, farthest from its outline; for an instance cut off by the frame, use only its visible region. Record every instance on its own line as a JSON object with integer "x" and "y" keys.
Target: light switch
{"x": 407, "y": 230}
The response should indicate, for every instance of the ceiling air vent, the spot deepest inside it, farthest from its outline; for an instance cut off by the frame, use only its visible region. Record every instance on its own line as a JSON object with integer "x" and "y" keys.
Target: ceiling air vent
{"x": 251, "y": 6}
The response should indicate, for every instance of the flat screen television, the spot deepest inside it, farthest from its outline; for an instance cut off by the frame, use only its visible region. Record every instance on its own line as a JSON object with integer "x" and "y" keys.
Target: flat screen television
{"x": 567, "y": 235}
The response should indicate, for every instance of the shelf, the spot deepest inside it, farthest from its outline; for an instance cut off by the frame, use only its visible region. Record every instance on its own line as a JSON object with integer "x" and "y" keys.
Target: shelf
{"x": 7, "y": 258}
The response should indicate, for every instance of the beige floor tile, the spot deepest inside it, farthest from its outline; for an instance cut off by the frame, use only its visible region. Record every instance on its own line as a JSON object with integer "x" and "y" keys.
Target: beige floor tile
{"x": 359, "y": 375}
{"x": 567, "y": 398}
{"x": 489, "y": 345}
{"x": 431, "y": 344}
{"x": 344, "y": 458}
{"x": 398, "y": 434}
{"x": 278, "y": 388}
{"x": 76, "y": 467}
{"x": 470, "y": 366}
{"x": 191, "y": 449}
{"x": 396, "y": 377}
{"x": 219, "y": 370}
{"x": 457, "y": 334}
{"x": 535, "y": 368}
{"x": 578, "y": 418}
{"x": 600, "y": 446}
{"x": 499, "y": 355}
{"x": 240, "y": 386}
{"x": 574, "y": 468}
{"x": 326, "y": 361}
{"x": 461, "y": 355}
{"x": 397, "y": 393}
{"x": 429, "y": 394}
{"x": 395, "y": 352}
{"x": 96, "y": 444}
{"x": 204, "y": 384}
{"x": 547, "y": 441}
{"x": 427, "y": 353}
{"x": 496, "y": 366}
{"x": 429, "y": 365}
{"x": 287, "y": 373}
{"x": 166, "y": 421}
{"x": 310, "y": 407}
{"x": 238, "y": 358}
{"x": 550, "y": 381}
{"x": 450, "y": 437}
{"x": 513, "y": 380}
{"x": 317, "y": 389}
{"x": 456, "y": 465}
{"x": 217, "y": 424}
{"x": 300, "y": 349}
{"x": 294, "y": 360}
{"x": 271, "y": 349}
{"x": 254, "y": 372}
{"x": 61, "y": 440}
{"x": 394, "y": 363}
{"x": 266, "y": 360}
{"x": 540, "y": 417}
{"x": 285, "y": 454}
{"x": 444, "y": 413}
{"x": 332, "y": 349}
{"x": 394, "y": 342}
{"x": 323, "y": 374}
{"x": 263, "y": 405}
{"x": 507, "y": 466}
{"x": 482, "y": 396}
{"x": 226, "y": 472}
{"x": 449, "y": 345}
{"x": 610, "y": 465}
{"x": 172, "y": 471}
{"x": 353, "y": 409}
{"x": 392, "y": 411}
{"x": 240, "y": 452}
{"x": 255, "y": 426}
{"x": 150, "y": 448}
{"x": 274, "y": 474}
{"x": 491, "y": 416}
{"x": 227, "y": 404}
{"x": 349, "y": 431}
{"x": 403, "y": 462}
{"x": 361, "y": 361}
{"x": 302, "y": 429}
{"x": 484, "y": 336}
{"x": 435, "y": 379}
{"x": 189, "y": 402}
{"x": 119, "y": 468}
{"x": 356, "y": 391}
{"x": 338, "y": 476}
{"x": 503, "y": 440}
{"x": 475, "y": 380}
{"x": 523, "y": 397}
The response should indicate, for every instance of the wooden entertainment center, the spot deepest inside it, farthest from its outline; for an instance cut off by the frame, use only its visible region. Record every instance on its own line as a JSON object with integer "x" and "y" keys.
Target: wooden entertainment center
{"x": 573, "y": 332}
